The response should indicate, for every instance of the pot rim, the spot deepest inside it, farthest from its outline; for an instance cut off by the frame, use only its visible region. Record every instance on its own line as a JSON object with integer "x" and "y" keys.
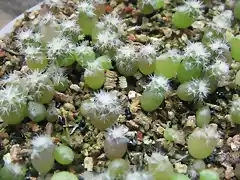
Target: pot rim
{"x": 9, "y": 27}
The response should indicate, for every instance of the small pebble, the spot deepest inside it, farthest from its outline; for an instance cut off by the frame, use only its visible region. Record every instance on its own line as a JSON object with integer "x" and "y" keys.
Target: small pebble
{"x": 8, "y": 63}
{"x": 184, "y": 37}
{"x": 82, "y": 127}
{"x": 210, "y": 159}
{"x": 234, "y": 142}
{"x": 88, "y": 163}
{"x": 171, "y": 115}
{"x": 132, "y": 125}
{"x": 198, "y": 25}
{"x": 229, "y": 173}
{"x": 167, "y": 32}
{"x": 142, "y": 38}
{"x": 161, "y": 21}
{"x": 82, "y": 124}
{"x": 123, "y": 82}
{"x": 190, "y": 122}
{"x": 121, "y": 118}
{"x": 181, "y": 168}
{"x": 128, "y": 114}
{"x": 61, "y": 120}
{"x": 24, "y": 69}
{"x": 69, "y": 107}
{"x": 147, "y": 140}
{"x": 75, "y": 87}
{"x": 132, "y": 95}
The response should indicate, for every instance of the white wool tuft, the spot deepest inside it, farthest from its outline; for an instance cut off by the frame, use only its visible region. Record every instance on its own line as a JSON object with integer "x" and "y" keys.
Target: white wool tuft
{"x": 157, "y": 84}
{"x": 117, "y": 133}
{"x": 87, "y": 8}
{"x": 199, "y": 88}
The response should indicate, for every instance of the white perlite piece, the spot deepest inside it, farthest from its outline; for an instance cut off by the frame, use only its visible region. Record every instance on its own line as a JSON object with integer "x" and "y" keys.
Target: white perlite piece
{"x": 181, "y": 168}
{"x": 198, "y": 25}
{"x": 75, "y": 87}
{"x": 234, "y": 142}
{"x": 88, "y": 163}
{"x": 123, "y": 82}
{"x": 132, "y": 95}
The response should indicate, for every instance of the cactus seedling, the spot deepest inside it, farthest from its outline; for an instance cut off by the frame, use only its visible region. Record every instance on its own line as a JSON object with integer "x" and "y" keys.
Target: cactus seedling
{"x": 64, "y": 154}
{"x": 219, "y": 25}
{"x": 235, "y": 42}
{"x": 178, "y": 176}
{"x": 203, "y": 116}
{"x": 105, "y": 61}
{"x": 12, "y": 104}
{"x": 40, "y": 87}
{"x": 108, "y": 41}
{"x": 170, "y": 134}
{"x": 26, "y": 37}
{"x": 198, "y": 165}
{"x": 186, "y": 14}
{"x": 48, "y": 27}
{"x": 197, "y": 52}
{"x": 94, "y": 75}
{"x": 160, "y": 166}
{"x": 154, "y": 93}
{"x": 52, "y": 113}
{"x": 69, "y": 28}
{"x": 188, "y": 70}
{"x": 42, "y": 154}
{"x": 102, "y": 110}
{"x": 113, "y": 22}
{"x": 237, "y": 10}
{"x": 208, "y": 174}
{"x": 36, "y": 111}
{"x": 85, "y": 54}
{"x": 118, "y": 168}
{"x": 12, "y": 170}
{"x": 57, "y": 75}
{"x": 87, "y": 18}
{"x": 12, "y": 79}
{"x": 223, "y": 21}
{"x": 217, "y": 72}
{"x": 168, "y": 63}
{"x": 109, "y": 23}
{"x": 218, "y": 47}
{"x": 237, "y": 78}
{"x": 202, "y": 141}
{"x": 196, "y": 56}
{"x": 61, "y": 51}
{"x": 64, "y": 175}
{"x": 194, "y": 90}
{"x": 35, "y": 58}
{"x": 126, "y": 60}
{"x": 115, "y": 144}
{"x": 147, "y": 59}
{"x": 211, "y": 33}
{"x": 235, "y": 111}
{"x": 148, "y": 6}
